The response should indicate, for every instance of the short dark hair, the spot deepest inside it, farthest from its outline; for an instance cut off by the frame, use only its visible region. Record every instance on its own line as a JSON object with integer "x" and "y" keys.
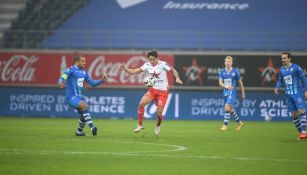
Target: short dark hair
{"x": 77, "y": 57}
{"x": 152, "y": 53}
{"x": 289, "y": 55}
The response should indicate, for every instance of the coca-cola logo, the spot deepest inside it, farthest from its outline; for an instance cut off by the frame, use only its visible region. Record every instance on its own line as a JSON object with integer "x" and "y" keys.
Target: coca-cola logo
{"x": 101, "y": 67}
{"x": 18, "y": 68}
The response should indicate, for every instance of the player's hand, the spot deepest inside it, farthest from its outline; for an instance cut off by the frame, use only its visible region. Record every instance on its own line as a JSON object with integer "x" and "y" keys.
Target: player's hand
{"x": 104, "y": 78}
{"x": 179, "y": 81}
{"x": 62, "y": 84}
{"x": 277, "y": 92}
{"x": 243, "y": 96}
{"x": 122, "y": 67}
{"x": 306, "y": 95}
{"x": 228, "y": 87}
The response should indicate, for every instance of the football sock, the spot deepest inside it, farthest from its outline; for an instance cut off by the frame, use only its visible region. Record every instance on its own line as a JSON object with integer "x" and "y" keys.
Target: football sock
{"x": 303, "y": 122}
{"x": 297, "y": 124}
{"x": 141, "y": 115}
{"x": 80, "y": 126}
{"x": 226, "y": 118}
{"x": 159, "y": 120}
{"x": 88, "y": 119}
{"x": 235, "y": 116}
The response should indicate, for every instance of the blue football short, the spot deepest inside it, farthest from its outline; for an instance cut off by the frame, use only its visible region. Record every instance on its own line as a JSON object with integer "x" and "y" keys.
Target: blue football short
{"x": 296, "y": 102}
{"x": 75, "y": 101}
{"x": 230, "y": 99}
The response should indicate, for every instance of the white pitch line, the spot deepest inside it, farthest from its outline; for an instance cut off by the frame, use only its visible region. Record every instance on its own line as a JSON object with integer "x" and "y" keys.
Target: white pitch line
{"x": 176, "y": 147}
{"x": 138, "y": 153}
{"x": 49, "y": 152}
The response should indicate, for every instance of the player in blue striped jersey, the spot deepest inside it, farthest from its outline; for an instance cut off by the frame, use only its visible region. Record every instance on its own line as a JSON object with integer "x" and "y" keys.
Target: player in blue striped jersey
{"x": 74, "y": 78}
{"x": 228, "y": 78}
{"x": 293, "y": 78}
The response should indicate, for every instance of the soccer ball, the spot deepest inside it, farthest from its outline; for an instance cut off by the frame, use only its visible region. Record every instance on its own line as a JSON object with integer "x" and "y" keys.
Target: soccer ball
{"x": 267, "y": 118}
{"x": 149, "y": 81}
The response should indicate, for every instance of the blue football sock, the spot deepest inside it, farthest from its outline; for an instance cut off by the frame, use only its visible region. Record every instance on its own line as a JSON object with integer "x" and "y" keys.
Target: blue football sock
{"x": 226, "y": 118}
{"x": 235, "y": 116}
{"x": 303, "y": 122}
{"x": 80, "y": 126}
{"x": 88, "y": 118}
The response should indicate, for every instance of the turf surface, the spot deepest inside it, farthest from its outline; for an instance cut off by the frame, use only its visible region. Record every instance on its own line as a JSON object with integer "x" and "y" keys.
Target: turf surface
{"x": 48, "y": 146}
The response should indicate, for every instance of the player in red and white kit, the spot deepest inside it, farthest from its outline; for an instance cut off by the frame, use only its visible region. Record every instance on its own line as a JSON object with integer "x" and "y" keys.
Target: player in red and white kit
{"x": 158, "y": 92}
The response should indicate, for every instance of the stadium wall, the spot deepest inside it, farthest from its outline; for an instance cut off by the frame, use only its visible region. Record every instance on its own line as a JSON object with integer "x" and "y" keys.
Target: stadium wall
{"x": 28, "y": 85}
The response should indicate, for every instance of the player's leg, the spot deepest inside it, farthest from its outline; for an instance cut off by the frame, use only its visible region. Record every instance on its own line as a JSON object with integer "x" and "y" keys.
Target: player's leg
{"x": 81, "y": 125}
{"x": 300, "y": 105}
{"x": 227, "y": 109}
{"x": 293, "y": 110}
{"x": 161, "y": 101}
{"x": 74, "y": 102}
{"x": 87, "y": 116}
{"x": 296, "y": 121}
{"x": 235, "y": 116}
{"x": 146, "y": 99}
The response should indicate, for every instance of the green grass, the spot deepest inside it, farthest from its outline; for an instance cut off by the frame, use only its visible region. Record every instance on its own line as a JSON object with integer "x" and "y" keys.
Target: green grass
{"x": 40, "y": 146}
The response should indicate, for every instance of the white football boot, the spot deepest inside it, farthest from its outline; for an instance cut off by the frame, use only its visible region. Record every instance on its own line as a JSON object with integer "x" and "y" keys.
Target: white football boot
{"x": 157, "y": 131}
{"x": 138, "y": 129}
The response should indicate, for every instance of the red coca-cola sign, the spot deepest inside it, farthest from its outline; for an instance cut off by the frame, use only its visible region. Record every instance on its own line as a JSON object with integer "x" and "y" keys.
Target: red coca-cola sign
{"x": 45, "y": 68}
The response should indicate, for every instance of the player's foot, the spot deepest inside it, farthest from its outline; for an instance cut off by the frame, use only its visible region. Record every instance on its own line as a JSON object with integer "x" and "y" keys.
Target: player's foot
{"x": 239, "y": 126}
{"x": 80, "y": 134}
{"x": 302, "y": 136}
{"x": 157, "y": 131}
{"x": 138, "y": 129}
{"x": 223, "y": 128}
{"x": 94, "y": 131}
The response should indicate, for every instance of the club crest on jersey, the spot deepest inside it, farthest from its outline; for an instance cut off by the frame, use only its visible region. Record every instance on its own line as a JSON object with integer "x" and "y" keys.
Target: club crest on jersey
{"x": 156, "y": 75}
{"x": 233, "y": 74}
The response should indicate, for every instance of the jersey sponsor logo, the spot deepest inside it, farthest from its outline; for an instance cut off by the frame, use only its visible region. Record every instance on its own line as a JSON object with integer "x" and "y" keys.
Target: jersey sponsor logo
{"x": 288, "y": 79}
{"x": 227, "y": 81}
{"x": 80, "y": 82}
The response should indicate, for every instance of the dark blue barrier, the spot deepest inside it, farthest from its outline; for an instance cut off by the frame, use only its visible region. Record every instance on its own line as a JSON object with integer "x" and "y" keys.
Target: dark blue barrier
{"x": 105, "y": 103}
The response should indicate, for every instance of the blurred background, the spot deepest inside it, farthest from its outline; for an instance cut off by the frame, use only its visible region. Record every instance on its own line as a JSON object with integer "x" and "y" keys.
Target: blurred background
{"x": 38, "y": 39}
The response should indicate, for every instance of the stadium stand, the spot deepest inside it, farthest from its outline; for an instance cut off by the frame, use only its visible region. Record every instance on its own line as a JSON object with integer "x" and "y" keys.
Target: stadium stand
{"x": 37, "y": 20}
{"x": 172, "y": 25}
{"x": 9, "y": 11}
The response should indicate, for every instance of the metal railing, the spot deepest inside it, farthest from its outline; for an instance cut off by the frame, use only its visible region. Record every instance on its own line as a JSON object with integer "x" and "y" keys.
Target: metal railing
{"x": 168, "y": 40}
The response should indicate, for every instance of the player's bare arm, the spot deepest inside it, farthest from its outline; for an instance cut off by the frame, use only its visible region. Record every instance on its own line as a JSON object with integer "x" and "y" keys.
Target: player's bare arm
{"x": 129, "y": 70}
{"x": 178, "y": 80}
{"x": 242, "y": 89}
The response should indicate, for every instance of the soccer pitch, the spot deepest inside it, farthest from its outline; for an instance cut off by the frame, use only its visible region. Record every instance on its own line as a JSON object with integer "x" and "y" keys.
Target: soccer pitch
{"x": 48, "y": 146}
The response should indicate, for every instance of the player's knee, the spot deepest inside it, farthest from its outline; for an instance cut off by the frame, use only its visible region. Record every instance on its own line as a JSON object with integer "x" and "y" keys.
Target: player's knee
{"x": 228, "y": 108}
{"x": 83, "y": 106}
{"x": 301, "y": 111}
{"x": 294, "y": 115}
